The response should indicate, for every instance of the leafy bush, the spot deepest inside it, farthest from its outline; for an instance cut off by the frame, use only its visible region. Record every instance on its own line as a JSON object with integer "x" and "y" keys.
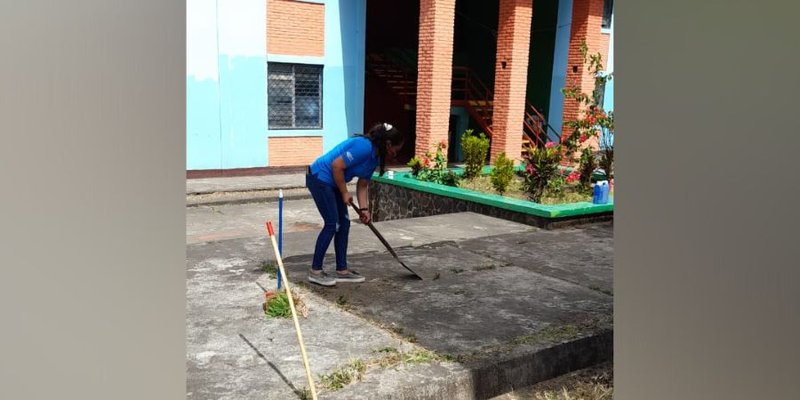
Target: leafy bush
{"x": 555, "y": 186}
{"x": 607, "y": 161}
{"x": 502, "y": 173}
{"x": 587, "y": 167}
{"x": 434, "y": 168}
{"x": 592, "y": 117}
{"x": 541, "y": 167}
{"x": 415, "y": 164}
{"x": 475, "y": 149}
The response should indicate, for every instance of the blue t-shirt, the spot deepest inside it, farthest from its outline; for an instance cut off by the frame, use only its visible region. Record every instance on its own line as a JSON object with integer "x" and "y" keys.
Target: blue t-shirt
{"x": 360, "y": 159}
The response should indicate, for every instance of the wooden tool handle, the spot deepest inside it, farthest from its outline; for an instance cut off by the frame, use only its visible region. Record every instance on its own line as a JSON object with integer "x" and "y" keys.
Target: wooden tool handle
{"x": 271, "y": 233}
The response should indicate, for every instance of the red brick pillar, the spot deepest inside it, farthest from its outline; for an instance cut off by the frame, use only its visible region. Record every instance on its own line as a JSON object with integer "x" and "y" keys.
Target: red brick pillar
{"x": 587, "y": 17}
{"x": 434, "y": 72}
{"x": 511, "y": 77}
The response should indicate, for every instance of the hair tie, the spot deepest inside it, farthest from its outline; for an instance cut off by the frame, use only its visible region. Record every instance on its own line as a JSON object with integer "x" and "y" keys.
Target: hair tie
{"x": 387, "y": 126}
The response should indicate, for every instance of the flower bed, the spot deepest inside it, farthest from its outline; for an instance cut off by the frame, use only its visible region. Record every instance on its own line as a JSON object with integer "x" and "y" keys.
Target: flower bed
{"x": 540, "y": 192}
{"x": 406, "y": 197}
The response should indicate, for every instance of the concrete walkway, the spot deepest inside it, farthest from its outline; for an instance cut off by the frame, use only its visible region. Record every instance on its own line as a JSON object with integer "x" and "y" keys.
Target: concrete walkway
{"x": 503, "y": 305}
{"x": 247, "y": 189}
{"x": 245, "y": 183}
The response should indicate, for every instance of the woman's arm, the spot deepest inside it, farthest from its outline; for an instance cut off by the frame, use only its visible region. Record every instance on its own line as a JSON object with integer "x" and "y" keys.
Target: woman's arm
{"x": 362, "y": 192}
{"x": 337, "y": 167}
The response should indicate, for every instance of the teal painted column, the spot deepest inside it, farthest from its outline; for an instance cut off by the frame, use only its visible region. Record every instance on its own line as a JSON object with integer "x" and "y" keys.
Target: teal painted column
{"x": 563, "y": 25}
{"x": 343, "y": 74}
{"x": 608, "y": 95}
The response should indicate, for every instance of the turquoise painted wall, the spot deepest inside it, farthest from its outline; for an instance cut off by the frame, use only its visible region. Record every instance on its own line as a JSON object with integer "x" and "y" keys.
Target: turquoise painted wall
{"x": 342, "y": 74}
{"x": 243, "y": 108}
{"x": 203, "y": 148}
{"x": 226, "y": 119}
{"x": 226, "y": 80}
{"x": 563, "y": 24}
{"x": 227, "y": 123}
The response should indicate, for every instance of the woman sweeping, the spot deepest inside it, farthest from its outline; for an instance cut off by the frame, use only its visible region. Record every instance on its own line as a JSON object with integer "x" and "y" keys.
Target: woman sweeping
{"x": 327, "y": 179}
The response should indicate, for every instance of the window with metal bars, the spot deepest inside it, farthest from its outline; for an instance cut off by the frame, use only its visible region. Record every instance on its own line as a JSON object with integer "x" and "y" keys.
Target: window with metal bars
{"x": 294, "y": 94}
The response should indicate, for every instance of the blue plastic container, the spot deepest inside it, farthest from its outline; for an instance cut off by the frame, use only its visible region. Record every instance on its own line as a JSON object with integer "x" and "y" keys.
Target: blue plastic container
{"x": 600, "y": 192}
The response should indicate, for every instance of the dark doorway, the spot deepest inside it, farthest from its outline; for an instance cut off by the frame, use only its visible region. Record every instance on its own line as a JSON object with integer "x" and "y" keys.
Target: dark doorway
{"x": 390, "y": 84}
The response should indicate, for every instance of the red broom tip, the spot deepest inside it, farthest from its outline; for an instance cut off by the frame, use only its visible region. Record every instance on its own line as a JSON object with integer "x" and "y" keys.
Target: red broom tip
{"x": 269, "y": 229}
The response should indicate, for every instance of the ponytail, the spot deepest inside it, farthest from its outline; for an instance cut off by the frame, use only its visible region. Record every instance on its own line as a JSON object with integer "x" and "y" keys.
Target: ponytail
{"x": 379, "y": 134}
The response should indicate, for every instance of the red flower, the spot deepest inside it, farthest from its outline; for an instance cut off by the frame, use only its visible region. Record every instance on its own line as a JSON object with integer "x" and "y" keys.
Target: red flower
{"x": 583, "y": 138}
{"x": 550, "y": 145}
{"x": 529, "y": 169}
{"x": 573, "y": 177}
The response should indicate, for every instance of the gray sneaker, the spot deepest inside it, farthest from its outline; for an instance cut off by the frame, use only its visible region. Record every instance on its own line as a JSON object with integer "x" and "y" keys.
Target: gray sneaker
{"x": 353, "y": 276}
{"x": 321, "y": 279}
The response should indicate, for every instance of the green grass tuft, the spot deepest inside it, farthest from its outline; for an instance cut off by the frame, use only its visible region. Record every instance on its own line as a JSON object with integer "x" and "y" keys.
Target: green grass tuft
{"x": 344, "y": 375}
{"x": 269, "y": 268}
{"x": 550, "y": 334}
{"x": 278, "y": 306}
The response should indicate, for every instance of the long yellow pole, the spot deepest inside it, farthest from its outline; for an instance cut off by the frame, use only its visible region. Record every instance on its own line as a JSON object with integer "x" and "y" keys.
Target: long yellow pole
{"x": 271, "y": 233}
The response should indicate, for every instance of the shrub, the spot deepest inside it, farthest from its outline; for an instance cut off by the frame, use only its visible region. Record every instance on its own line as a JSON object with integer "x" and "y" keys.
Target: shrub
{"x": 541, "y": 166}
{"x": 607, "y": 161}
{"x": 434, "y": 168}
{"x": 586, "y": 167}
{"x": 475, "y": 149}
{"x": 555, "y": 185}
{"x": 592, "y": 118}
{"x": 502, "y": 173}
{"x": 415, "y": 164}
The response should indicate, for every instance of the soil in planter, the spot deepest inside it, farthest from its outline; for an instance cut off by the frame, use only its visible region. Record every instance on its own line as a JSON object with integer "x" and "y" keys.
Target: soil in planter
{"x": 569, "y": 193}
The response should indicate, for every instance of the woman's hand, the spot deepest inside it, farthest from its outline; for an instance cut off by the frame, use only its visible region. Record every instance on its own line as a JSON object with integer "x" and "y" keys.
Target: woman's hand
{"x": 365, "y": 216}
{"x": 347, "y": 198}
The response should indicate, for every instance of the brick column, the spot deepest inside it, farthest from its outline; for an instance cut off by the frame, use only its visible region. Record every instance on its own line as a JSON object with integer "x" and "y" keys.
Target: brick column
{"x": 511, "y": 77}
{"x": 587, "y": 17}
{"x": 434, "y": 72}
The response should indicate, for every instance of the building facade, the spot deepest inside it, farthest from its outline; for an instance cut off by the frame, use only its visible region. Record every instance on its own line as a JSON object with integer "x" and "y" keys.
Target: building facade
{"x": 276, "y": 83}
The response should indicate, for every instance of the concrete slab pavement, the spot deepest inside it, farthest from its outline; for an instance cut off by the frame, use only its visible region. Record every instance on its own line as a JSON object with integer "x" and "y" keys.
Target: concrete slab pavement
{"x": 499, "y": 319}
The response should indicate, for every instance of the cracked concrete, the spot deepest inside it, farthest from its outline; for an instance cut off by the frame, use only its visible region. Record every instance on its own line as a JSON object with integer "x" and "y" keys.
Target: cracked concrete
{"x": 505, "y": 304}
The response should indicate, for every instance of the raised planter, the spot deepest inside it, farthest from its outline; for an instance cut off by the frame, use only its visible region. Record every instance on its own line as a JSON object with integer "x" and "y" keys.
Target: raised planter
{"x": 406, "y": 197}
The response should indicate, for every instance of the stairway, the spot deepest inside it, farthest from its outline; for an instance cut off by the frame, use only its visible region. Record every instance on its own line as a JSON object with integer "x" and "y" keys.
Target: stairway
{"x": 398, "y": 71}
{"x": 400, "y": 80}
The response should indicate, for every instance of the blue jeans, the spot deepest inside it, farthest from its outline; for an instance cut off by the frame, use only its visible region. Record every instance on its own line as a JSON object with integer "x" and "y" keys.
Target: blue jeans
{"x": 337, "y": 222}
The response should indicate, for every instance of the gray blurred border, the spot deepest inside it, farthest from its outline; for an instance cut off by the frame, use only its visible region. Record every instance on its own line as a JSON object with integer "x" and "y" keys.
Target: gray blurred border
{"x": 707, "y": 277}
{"x": 93, "y": 160}
{"x": 92, "y": 110}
